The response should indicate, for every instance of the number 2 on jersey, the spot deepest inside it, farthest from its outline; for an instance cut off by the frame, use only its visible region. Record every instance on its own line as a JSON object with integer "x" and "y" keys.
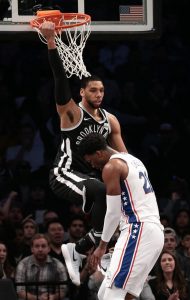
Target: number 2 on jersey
{"x": 147, "y": 185}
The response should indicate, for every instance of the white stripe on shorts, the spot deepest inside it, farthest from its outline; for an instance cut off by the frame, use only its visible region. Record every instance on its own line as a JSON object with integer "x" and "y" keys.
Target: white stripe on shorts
{"x": 68, "y": 183}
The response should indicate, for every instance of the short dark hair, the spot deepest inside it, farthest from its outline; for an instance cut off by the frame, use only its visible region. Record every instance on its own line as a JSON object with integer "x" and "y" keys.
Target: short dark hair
{"x": 53, "y": 221}
{"x": 92, "y": 143}
{"x": 77, "y": 217}
{"x": 185, "y": 233}
{"x": 86, "y": 80}
{"x": 169, "y": 230}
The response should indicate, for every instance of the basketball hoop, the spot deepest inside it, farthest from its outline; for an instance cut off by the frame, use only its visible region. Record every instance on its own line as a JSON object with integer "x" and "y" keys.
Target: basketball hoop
{"x": 77, "y": 30}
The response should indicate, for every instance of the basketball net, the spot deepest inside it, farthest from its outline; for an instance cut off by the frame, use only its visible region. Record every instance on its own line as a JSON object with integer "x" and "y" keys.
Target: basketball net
{"x": 71, "y": 34}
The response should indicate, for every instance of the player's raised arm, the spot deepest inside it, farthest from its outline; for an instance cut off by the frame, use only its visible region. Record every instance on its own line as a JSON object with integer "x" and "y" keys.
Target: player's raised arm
{"x": 66, "y": 107}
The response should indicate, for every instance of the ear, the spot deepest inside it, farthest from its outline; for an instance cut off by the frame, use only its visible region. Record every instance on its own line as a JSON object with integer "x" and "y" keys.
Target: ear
{"x": 99, "y": 153}
{"x": 82, "y": 92}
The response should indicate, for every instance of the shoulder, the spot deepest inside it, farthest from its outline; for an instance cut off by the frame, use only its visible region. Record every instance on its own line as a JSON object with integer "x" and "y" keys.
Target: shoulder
{"x": 113, "y": 168}
{"x": 59, "y": 268}
{"x": 27, "y": 259}
{"x": 114, "y": 123}
{"x": 152, "y": 283}
{"x": 112, "y": 118}
{"x": 120, "y": 160}
{"x": 113, "y": 164}
{"x": 25, "y": 262}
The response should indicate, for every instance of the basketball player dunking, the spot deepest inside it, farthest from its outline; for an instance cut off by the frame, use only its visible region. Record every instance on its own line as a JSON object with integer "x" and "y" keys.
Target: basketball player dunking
{"x": 71, "y": 177}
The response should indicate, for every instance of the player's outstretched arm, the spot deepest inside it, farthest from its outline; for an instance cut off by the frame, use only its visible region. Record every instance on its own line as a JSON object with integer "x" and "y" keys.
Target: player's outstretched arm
{"x": 65, "y": 105}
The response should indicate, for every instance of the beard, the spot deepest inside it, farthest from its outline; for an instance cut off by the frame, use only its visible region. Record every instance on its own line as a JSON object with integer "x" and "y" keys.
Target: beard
{"x": 93, "y": 104}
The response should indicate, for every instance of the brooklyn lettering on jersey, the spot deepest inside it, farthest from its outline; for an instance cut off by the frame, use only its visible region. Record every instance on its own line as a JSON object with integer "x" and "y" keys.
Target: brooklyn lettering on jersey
{"x": 95, "y": 128}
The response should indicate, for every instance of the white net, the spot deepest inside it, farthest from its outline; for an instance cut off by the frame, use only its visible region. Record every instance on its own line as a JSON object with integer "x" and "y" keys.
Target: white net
{"x": 70, "y": 44}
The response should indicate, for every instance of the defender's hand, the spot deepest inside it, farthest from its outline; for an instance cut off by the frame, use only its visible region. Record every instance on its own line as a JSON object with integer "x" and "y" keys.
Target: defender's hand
{"x": 96, "y": 257}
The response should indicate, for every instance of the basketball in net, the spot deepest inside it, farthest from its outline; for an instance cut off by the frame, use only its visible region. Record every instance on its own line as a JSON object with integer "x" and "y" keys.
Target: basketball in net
{"x": 71, "y": 33}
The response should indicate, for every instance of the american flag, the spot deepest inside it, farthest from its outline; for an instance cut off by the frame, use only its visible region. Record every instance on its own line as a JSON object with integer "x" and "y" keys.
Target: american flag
{"x": 131, "y": 13}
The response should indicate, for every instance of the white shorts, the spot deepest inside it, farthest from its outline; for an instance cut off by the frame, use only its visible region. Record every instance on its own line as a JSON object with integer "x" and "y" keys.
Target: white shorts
{"x": 135, "y": 253}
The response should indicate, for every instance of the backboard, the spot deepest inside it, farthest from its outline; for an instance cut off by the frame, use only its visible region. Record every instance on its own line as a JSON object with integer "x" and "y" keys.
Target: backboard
{"x": 109, "y": 17}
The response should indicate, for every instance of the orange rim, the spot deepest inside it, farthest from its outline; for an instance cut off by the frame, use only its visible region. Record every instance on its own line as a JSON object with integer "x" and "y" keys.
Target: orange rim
{"x": 55, "y": 16}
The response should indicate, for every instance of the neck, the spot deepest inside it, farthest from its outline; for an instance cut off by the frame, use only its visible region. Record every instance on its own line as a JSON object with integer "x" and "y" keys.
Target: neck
{"x": 40, "y": 262}
{"x": 56, "y": 248}
{"x": 168, "y": 277}
{"x": 27, "y": 241}
{"x": 91, "y": 110}
{"x": 111, "y": 151}
{"x": 73, "y": 239}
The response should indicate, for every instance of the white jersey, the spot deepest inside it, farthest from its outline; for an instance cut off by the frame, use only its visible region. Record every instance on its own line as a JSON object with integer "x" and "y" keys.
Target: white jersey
{"x": 141, "y": 238}
{"x": 138, "y": 200}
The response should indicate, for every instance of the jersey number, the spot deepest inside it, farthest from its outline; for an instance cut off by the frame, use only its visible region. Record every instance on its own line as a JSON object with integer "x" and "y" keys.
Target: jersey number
{"x": 147, "y": 185}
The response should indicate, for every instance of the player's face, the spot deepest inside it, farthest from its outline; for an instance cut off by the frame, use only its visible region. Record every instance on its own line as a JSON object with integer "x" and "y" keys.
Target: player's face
{"x": 96, "y": 160}
{"x": 93, "y": 94}
{"x": 167, "y": 263}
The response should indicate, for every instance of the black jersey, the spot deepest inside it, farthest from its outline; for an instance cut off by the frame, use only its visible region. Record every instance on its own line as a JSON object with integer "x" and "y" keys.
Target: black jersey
{"x": 68, "y": 158}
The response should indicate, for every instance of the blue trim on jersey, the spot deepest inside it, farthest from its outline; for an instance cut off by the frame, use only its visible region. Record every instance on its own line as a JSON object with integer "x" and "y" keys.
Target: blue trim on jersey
{"x": 126, "y": 203}
{"x": 128, "y": 256}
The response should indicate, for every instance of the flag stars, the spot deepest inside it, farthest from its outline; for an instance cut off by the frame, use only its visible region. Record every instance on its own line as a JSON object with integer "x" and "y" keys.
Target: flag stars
{"x": 135, "y": 231}
{"x": 133, "y": 236}
{"x": 136, "y": 225}
{"x": 125, "y": 203}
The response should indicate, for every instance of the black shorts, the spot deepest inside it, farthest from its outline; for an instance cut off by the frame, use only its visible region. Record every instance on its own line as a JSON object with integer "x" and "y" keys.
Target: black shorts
{"x": 77, "y": 187}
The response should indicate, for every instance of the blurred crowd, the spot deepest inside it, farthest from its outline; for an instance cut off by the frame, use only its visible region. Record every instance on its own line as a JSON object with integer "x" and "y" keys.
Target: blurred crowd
{"x": 147, "y": 86}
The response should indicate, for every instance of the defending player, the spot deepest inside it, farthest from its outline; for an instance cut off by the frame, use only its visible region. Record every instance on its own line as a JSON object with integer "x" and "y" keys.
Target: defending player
{"x": 132, "y": 203}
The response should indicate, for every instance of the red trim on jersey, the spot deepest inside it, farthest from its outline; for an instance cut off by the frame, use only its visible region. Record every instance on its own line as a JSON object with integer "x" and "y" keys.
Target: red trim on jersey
{"x": 132, "y": 202}
{"x": 122, "y": 254}
{"x": 134, "y": 256}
